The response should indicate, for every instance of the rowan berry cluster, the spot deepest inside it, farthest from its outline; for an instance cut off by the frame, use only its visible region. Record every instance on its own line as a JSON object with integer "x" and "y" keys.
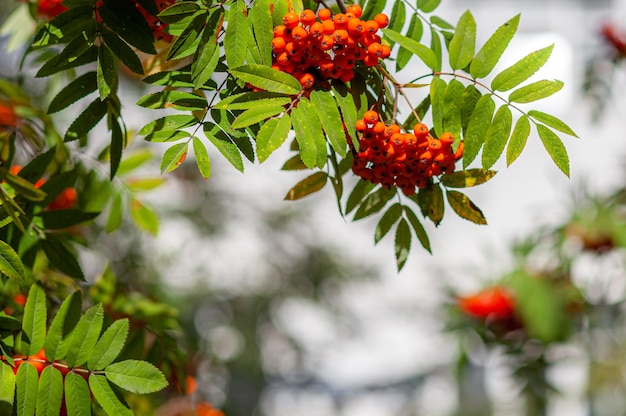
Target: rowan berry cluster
{"x": 408, "y": 160}
{"x": 328, "y": 46}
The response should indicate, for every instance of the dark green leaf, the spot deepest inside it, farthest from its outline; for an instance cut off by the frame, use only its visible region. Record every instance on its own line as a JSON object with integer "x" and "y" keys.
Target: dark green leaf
{"x": 402, "y": 243}
{"x": 189, "y": 40}
{"x": 172, "y": 122}
{"x": 118, "y": 142}
{"x": 304, "y": 136}
{"x": 225, "y": 145}
{"x": 555, "y": 148}
{"x": 244, "y": 100}
{"x": 10, "y": 263}
{"x": 361, "y": 189}
{"x": 469, "y": 99}
{"x": 271, "y": 136}
{"x": 373, "y": 203}
{"x": 435, "y": 47}
{"x": 74, "y": 91}
{"x": 420, "y": 232}
{"x": 315, "y": 128}
{"x": 34, "y": 321}
{"x": 63, "y": 218}
{"x": 497, "y": 136}
{"x": 55, "y": 65}
{"x": 491, "y": 52}
{"x": 518, "y": 139}
{"x": 262, "y": 26}
{"x": 387, "y": 220}
{"x": 61, "y": 258}
{"x": 64, "y": 26}
{"x": 22, "y": 186}
{"x": 107, "y": 72}
{"x": 267, "y": 78}
{"x": 521, "y": 70}
{"x": 123, "y": 52}
{"x": 452, "y": 108}
{"x": 372, "y": 8}
{"x": 125, "y": 19}
{"x": 477, "y": 128}
{"x": 87, "y": 120}
{"x": 551, "y": 121}
{"x": 208, "y": 53}
{"x": 463, "y": 43}
{"x": 465, "y": 208}
{"x": 347, "y": 107}
{"x": 307, "y": 186}
{"x": 175, "y": 11}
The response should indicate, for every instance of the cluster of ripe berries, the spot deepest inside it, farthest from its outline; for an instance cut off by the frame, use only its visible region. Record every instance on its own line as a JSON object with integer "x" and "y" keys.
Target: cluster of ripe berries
{"x": 407, "y": 160}
{"x": 311, "y": 50}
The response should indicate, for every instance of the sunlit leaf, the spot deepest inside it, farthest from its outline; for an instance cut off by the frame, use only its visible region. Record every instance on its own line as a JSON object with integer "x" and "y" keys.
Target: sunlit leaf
{"x": 463, "y": 43}
{"x": 491, "y": 52}
{"x": 467, "y": 178}
{"x": 535, "y": 91}
{"x": 497, "y": 136}
{"x": 74, "y": 91}
{"x": 109, "y": 345}
{"x": 50, "y": 392}
{"x": 106, "y": 72}
{"x": 87, "y": 120}
{"x": 225, "y": 145}
{"x": 144, "y": 217}
{"x": 518, "y": 139}
{"x": 521, "y": 70}
{"x": 452, "y": 102}
{"x": 63, "y": 322}
{"x": 34, "y": 321}
{"x": 477, "y": 128}
{"x": 551, "y": 121}
{"x": 77, "y": 395}
{"x": 424, "y": 53}
{"x": 437, "y": 98}
{"x": 256, "y": 114}
{"x": 7, "y": 388}
{"x": 555, "y": 148}
{"x": 139, "y": 377}
{"x": 328, "y": 113}
{"x": 84, "y": 336}
{"x": 171, "y": 122}
{"x": 10, "y": 263}
{"x": 428, "y": 5}
{"x": 267, "y": 78}
{"x": 106, "y": 397}
{"x": 237, "y": 33}
{"x": 271, "y": 136}
{"x": 174, "y": 156}
{"x": 27, "y": 385}
{"x": 202, "y": 158}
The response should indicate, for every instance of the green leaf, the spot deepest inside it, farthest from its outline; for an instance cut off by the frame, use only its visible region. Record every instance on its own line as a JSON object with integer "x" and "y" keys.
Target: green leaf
{"x": 27, "y": 384}
{"x": 551, "y": 121}
{"x": 139, "y": 377}
{"x": 452, "y": 108}
{"x": 373, "y": 203}
{"x": 225, "y": 145}
{"x": 134, "y": 160}
{"x": 174, "y": 156}
{"x": 22, "y": 186}
{"x": 415, "y": 32}
{"x": 435, "y": 47}
{"x": 477, "y": 128}
{"x": 244, "y": 100}
{"x": 106, "y": 397}
{"x": 263, "y": 28}
{"x": 372, "y": 8}
{"x": 469, "y": 99}
{"x": 497, "y": 136}
{"x": 61, "y": 258}
{"x": 125, "y": 19}
{"x": 171, "y": 122}
{"x": 306, "y": 141}
{"x": 387, "y": 220}
{"x": 109, "y": 345}
{"x": 328, "y": 113}
{"x": 7, "y": 388}
{"x": 555, "y": 148}
{"x": 189, "y": 40}
{"x": 267, "y": 78}
{"x": 123, "y": 52}
{"x": 491, "y": 52}
{"x": 463, "y": 43}
{"x": 397, "y": 18}
{"x": 174, "y": 12}
{"x": 107, "y": 72}
{"x": 467, "y": 178}
{"x": 361, "y": 189}
{"x": 428, "y": 5}
{"x": 74, "y": 91}
{"x": 437, "y": 96}
{"x": 63, "y": 218}
{"x": 271, "y": 136}
{"x": 518, "y": 139}
{"x": 77, "y": 395}
{"x": 10, "y": 263}
{"x": 425, "y": 54}
{"x": 521, "y": 70}
{"x": 347, "y": 107}
{"x": 256, "y": 114}
{"x": 465, "y": 208}
{"x": 430, "y": 200}
{"x": 535, "y": 91}
{"x": 116, "y": 215}
{"x": 68, "y": 313}
{"x": 84, "y": 336}
{"x": 315, "y": 128}
{"x": 237, "y": 32}
{"x": 202, "y": 158}
{"x": 64, "y": 26}
{"x": 402, "y": 243}
{"x": 34, "y": 321}
{"x": 50, "y": 392}
{"x": 144, "y": 217}
{"x": 443, "y": 24}
{"x": 144, "y": 183}
{"x": 307, "y": 186}
{"x": 178, "y": 100}
{"x": 420, "y": 232}
{"x": 207, "y": 55}
{"x": 87, "y": 120}
{"x": 118, "y": 142}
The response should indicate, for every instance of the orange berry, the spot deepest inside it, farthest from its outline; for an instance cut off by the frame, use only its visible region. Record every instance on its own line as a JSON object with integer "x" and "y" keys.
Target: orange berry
{"x": 278, "y": 45}
{"x": 307, "y": 80}
{"x": 371, "y": 27}
{"x": 355, "y": 26}
{"x": 446, "y": 138}
{"x": 459, "y": 151}
{"x": 307, "y": 17}
{"x": 327, "y": 43}
{"x": 374, "y": 49}
{"x": 379, "y": 128}
{"x": 324, "y": 14}
{"x": 370, "y": 117}
{"x": 382, "y": 20}
{"x": 329, "y": 27}
{"x": 340, "y": 36}
{"x": 316, "y": 30}
{"x": 282, "y": 59}
{"x": 361, "y": 126}
{"x": 299, "y": 34}
{"x": 420, "y": 130}
{"x": 355, "y": 9}
{"x": 291, "y": 20}
{"x": 66, "y": 199}
{"x": 279, "y": 31}
{"x": 385, "y": 52}
{"x": 341, "y": 21}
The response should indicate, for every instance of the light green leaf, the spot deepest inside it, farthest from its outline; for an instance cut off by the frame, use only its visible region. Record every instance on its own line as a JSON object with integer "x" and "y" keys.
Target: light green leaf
{"x": 435, "y": 47}
{"x": 27, "y": 385}
{"x": 372, "y": 8}
{"x": 555, "y": 148}
{"x": 315, "y": 128}
{"x": 144, "y": 217}
{"x": 139, "y": 377}
{"x": 387, "y": 220}
{"x": 535, "y": 91}
{"x": 106, "y": 397}
{"x": 178, "y": 100}
{"x": 34, "y": 322}
{"x": 174, "y": 156}
{"x": 452, "y": 107}
{"x": 328, "y": 113}
{"x": 237, "y": 33}
{"x": 116, "y": 215}
{"x": 304, "y": 137}
{"x": 77, "y": 395}
{"x": 491, "y": 52}
{"x": 497, "y": 136}
{"x": 7, "y": 389}
{"x": 202, "y": 158}
{"x": 172, "y": 122}
{"x": 467, "y": 178}
{"x": 225, "y": 145}
{"x": 347, "y": 107}
{"x": 256, "y": 114}
{"x": 84, "y": 336}
{"x": 551, "y": 121}
{"x": 244, "y": 100}
{"x": 428, "y": 5}
{"x": 267, "y": 78}
{"x": 50, "y": 392}
{"x": 521, "y": 70}
{"x": 61, "y": 325}
{"x": 465, "y": 208}
{"x": 477, "y": 128}
{"x": 463, "y": 43}
{"x": 109, "y": 345}
{"x": 402, "y": 243}
{"x": 424, "y": 53}
{"x": 271, "y": 136}
{"x": 262, "y": 26}
{"x": 415, "y": 32}
{"x": 518, "y": 139}
{"x": 10, "y": 262}
{"x": 469, "y": 99}
{"x": 437, "y": 97}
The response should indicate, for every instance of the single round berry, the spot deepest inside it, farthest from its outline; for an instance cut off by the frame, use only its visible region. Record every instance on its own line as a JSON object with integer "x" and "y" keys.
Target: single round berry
{"x": 291, "y": 20}
{"x": 324, "y": 14}
{"x": 382, "y": 20}
{"x": 307, "y": 17}
{"x": 370, "y": 117}
{"x": 355, "y": 9}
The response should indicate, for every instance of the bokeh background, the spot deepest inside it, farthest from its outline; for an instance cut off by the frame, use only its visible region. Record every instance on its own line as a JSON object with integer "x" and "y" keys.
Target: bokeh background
{"x": 290, "y": 309}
